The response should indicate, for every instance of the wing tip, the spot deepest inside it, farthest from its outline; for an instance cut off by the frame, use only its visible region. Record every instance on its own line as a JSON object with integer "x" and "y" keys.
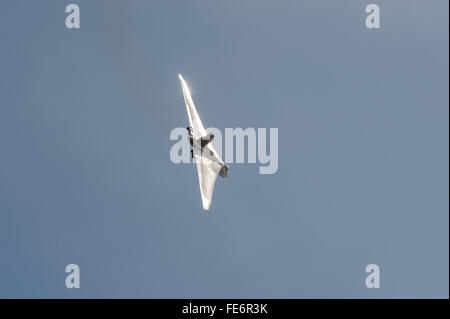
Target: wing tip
{"x": 206, "y": 203}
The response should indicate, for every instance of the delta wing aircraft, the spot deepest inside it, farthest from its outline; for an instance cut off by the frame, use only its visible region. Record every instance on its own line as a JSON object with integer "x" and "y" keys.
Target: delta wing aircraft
{"x": 209, "y": 164}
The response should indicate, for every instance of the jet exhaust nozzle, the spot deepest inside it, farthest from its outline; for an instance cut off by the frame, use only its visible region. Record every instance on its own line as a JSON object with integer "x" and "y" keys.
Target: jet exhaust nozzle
{"x": 224, "y": 171}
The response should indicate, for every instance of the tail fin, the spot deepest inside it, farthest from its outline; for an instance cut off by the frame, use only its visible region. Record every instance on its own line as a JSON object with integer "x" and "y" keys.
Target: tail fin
{"x": 207, "y": 139}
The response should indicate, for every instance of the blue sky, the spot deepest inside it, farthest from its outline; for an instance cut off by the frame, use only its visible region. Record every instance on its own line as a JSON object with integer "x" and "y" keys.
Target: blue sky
{"x": 86, "y": 176}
